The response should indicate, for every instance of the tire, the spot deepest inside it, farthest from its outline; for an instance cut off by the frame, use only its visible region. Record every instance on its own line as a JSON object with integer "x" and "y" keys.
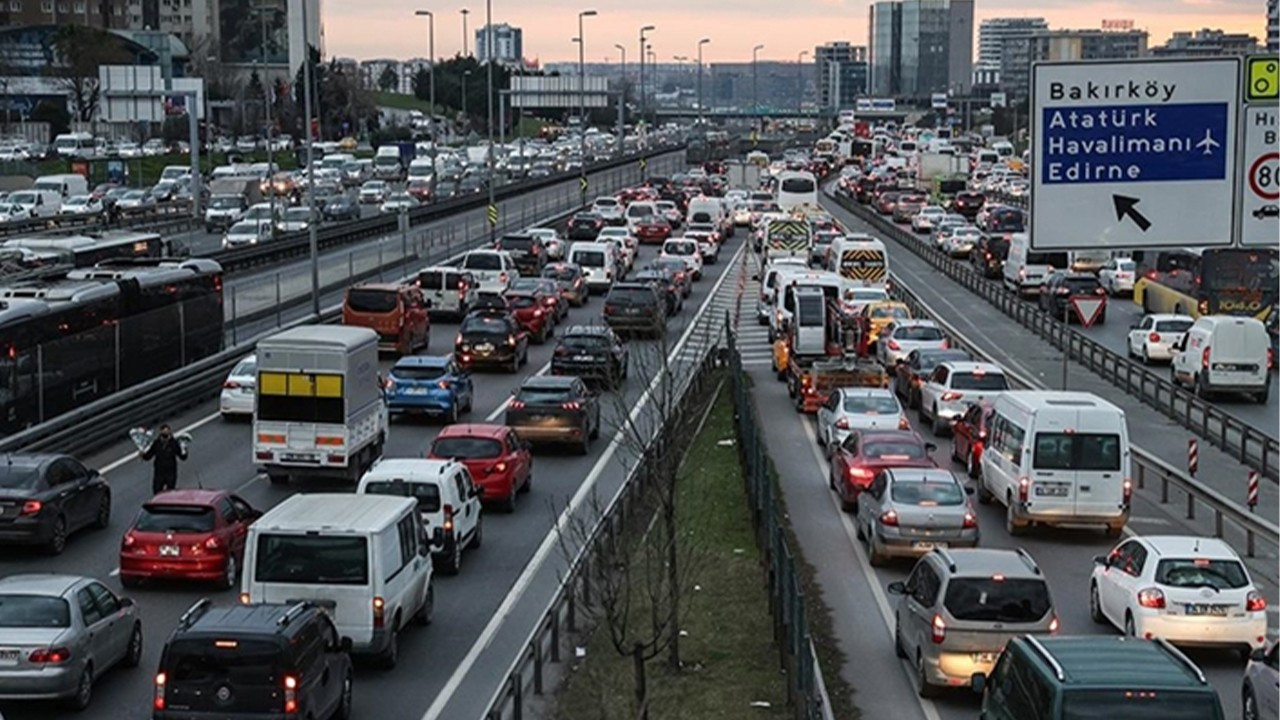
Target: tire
{"x": 1202, "y": 387}
{"x": 58, "y": 540}
{"x": 1146, "y": 357}
{"x": 595, "y": 431}
{"x": 877, "y": 558}
{"x": 974, "y": 468}
{"x": 389, "y": 657}
{"x": 584, "y": 448}
{"x": 1130, "y": 629}
{"x": 130, "y": 581}
{"x": 1012, "y": 525}
{"x": 477, "y": 538}
{"x": 913, "y": 398}
{"x": 84, "y": 690}
{"x": 1115, "y": 531}
{"x": 1095, "y": 606}
{"x": 452, "y": 417}
{"x": 103, "y": 518}
{"x": 1262, "y": 397}
{"x": 514, "y": 367}
{"x": 453, "y": 565}
{"x": 940, "y": 426}
{"x": 133, "y": 654}
{"x": 343, "y": 711}
{"x": 508, "y": 506}
{"x": 230, "y": 574}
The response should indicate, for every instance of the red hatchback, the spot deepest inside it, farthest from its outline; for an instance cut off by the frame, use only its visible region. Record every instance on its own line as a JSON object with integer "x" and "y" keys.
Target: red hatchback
{"x": 865, "y": 452}
{"x": 653, "y": 229}
{"x": 187, "y": 535}
{"x": 533, "y": 312}
{"x": 969, "y": 435}
{"x": 499, "y": 461}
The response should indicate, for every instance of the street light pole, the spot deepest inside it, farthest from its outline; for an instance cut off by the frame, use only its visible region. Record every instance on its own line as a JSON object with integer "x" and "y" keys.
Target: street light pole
{"x": 701, "y": 117}
{"x": 311, "y": 168}
{"x": 582, "y": 106}
{"x": 800, "y": 82}
{"x": 488, "y": 101}
{"x": 755, "y": 83}
{"x": 643, "y": 105}
{"x": 622, "y": 97}
{"x": 431, "y": 74}
{"x": 266, "y": 101}
{"x": 465, "y": 12}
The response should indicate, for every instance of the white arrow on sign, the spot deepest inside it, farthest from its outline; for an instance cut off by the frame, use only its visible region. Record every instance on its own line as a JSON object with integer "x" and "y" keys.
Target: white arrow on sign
{"x": 1087, "y": 308}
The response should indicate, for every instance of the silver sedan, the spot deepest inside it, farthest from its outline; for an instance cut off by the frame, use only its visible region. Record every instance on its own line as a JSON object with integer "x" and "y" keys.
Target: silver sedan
{"x": 58, "y": 633}
{"x": 907, "y": 512}
{"x": 900, "y": 337}
{"x": 849, "y": 409}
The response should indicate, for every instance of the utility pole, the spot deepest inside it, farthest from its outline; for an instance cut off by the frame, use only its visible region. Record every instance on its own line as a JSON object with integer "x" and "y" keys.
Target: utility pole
{"x": 800, "y": 82}
{"x": 643, "y": 100}
{"x": 266, "y": 101}
{"x": 431, "y": 74}
{"x": 622, "y": 97}
{"x": 582, "y": 106}
{"x": 755, "y": 83}
{"x": 701, "y": 116}
{"x": 488, "y": 101}
{"x": 311, "y": 167}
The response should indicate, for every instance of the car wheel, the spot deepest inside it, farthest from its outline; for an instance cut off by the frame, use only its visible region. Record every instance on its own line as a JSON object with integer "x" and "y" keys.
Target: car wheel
{"x": 940, "y": 425}
{"x": 454, "y": 564}
{"x": 231, "y": 574}
{"x": 1202, "y": 387}
{"x": 1012, "y": 525}
{"x": 515, "y": 364}
{"x": 84, "y": 690}
{"x": 584, "y": 448}
{"x": 877, "y": 558}
{"x": 1262, "y": 397}
{"x": 391, "y": 655}
{"x": 509, "y": 505}
{"x": 1146, "y": 356}
{"x": 58, "y": 540}
{"x": 452, "y": 417}
{"x": 595, "y": 431}
{"x": 103, "y": 518}
{"x": 343, "y": 711}
{"x": 130, "y": 581}
{"x": 913, "y": 398}
{"x": 974, "y": 467}
{"x": 133, "y": 654}
{"x": 1095, "y": 606}
{"x": 426, "y": 611}
{"x": 926, "y": 689}
{"x": 477, "y": 537}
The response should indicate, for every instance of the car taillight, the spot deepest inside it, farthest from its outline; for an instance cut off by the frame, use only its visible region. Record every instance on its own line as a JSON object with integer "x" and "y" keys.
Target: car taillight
{"x": 290, "y": 694}
{"x": 904, "y": 423}
{"x": 379, "y": 611}
{"x": 938, "y": 629}
{"x": 500, "y": 467}
{"x": 231, "y": 385}
{"x": 516, "y": 405}
{"x": 1054, "y": 625}
{"x": 1024, "y": 488}
{"x": 1099, "y": 291}
{"x": 448, "y": 518}
{"x": 550, "y": 301}
{"x": 389, "y": 383}
{"x": 31, "y": 507}
{"x": 128, "y": 540}
{"x": 1152, "y": 598}
{"x": 893, "y": 345}
{"x": 572, "y": 405}
{"x": 1153, "y": 337}
{"x": 1204, "y": 359}
{"x": 50, "y": 655}
{"x": 161, "y": 681}
{"x": 857, "y": 473}
{"x": 511, "y": 340}
{"x": 212, "y": 544}
{"x": 1127, "y": 489}
{"x": 951, "y": 396}
{"x": 970, "y": 520}
{"x": 889, "y": 517}
{"x": 1271, "y": 359}
{"x": 1255, "y": 602}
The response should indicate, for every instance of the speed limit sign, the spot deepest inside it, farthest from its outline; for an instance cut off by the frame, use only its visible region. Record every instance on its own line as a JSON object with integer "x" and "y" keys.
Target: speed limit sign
{"x": 1258, "y": 208}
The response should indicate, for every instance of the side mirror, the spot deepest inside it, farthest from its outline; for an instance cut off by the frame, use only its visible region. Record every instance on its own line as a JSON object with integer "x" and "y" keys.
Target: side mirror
{"x": 1258, "y": 655}
{"x": 1133, "y": 327}
{"x": 930, "y": 447}
{"x": 477, "y": 491}
{"x": 968, "y": 490}
{"x": 93, "y": 473}
{"x": 127, "y": 602}
{"x": 1103, "y": 560}
{"x": 978, "y": 683}
{"x": 897, "y": 588}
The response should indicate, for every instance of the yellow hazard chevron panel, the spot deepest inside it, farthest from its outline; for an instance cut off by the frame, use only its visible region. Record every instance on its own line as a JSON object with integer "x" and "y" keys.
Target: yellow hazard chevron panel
{"x": 866, "y": 265}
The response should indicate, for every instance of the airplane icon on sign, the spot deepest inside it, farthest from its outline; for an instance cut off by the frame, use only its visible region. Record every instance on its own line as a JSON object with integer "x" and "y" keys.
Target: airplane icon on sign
{"x": 1208, "y": 143}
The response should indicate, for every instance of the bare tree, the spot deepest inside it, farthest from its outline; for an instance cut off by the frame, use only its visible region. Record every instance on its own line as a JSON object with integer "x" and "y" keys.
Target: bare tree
{"x": 79, "y": 52}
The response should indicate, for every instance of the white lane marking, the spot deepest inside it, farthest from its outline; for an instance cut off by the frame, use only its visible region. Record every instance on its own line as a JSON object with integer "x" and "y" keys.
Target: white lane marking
{"x": 114, "y": 573}
{"x": 115, "y": 464}
{"x": 548, "y": 542}
{"x": 873, "y": 582}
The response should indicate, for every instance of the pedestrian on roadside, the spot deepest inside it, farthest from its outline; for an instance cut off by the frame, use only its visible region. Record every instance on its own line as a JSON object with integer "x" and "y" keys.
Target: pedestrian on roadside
{"x": 164, "y": 451}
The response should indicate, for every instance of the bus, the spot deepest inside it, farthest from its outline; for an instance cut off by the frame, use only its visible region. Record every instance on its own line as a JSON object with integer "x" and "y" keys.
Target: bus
{"x": 1208, "y": 281}
{"x": 89, "y": 249}
{"x": 70, "y": 339}
{"x": 797, "y": 189}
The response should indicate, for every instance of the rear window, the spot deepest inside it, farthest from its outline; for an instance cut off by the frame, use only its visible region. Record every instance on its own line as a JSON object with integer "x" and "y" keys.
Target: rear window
{"x": 797, "y": 185}
{"x": 482, "y": 261}
{"x": 560, "y": 272}
{"x": 1077, "y": 451}
{"x": 466, "y": 448}
{"x": 978, "y": 381}
{"x": 810, "y": 311}
{"x": 589, "y": 258}
{"x": 427, "y": 494}
{"x": 437, "y": 280}
{"x": 606, "y": 202}
{"x": 1082, "y": 285}
{"x": 888, "y": 311}
{"x": 544, "y": 395}
{"x": 1007, "y": 600}
{"x": 630, "y": 296}
{"x": 1173, "y": 326}
{"x": 418, "y": 372}
{"x": 1131, "y": 705}
{"x": 373, "y": 301}
{"x": 1058, "y": 259}
{"x": 585, "y": 341}
{"x": 922, "y": 333}
{"x": 639, "y": 211}
{"x": 484, "y": 325}
{"x": 521, "y": 301}
{"x": 312, "y": 559}
{"x": 203, "y": 662}
{"x": 681, "y": 248}
{"x": 175, "y": 518}
{"x": 883, "y": 450}
{"x": 19, "y": 477}
{"x": 519, "y": 244}
{"x": 1202, "y": 572}
{"x": 926, "y": 493}
{"x": 870, "y": 405}
{"x": 34, "y": 611}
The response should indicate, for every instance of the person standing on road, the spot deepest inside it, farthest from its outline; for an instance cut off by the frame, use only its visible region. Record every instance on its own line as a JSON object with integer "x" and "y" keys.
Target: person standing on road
{"x": 165, "y": 451}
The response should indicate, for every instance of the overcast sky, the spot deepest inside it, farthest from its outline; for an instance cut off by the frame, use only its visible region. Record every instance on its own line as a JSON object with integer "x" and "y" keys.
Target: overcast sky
{"x": 387, "y": 28}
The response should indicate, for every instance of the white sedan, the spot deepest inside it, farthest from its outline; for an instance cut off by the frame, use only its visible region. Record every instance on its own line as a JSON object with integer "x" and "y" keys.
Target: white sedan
{"x": 246, "y": 232}
{"x": 398, "y": 202}
{"x": 81, "y": 205}
{"x": 1154, "y": 337}
{"x": 1118, "y": 275}
{"x": 850, "y": 409}
{"x": 953, "y": 386}
{"x": 928, "y": 216}
{"x": 296, "y": 219}
{"x": 1183, "y": 589}
{"x": 239, "y": 388}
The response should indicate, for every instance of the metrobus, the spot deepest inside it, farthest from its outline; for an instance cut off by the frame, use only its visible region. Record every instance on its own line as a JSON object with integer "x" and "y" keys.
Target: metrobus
{"x": 73, "y": 338}
{"x": 89, "y": 249}
{"x": 797, "y": 189}
{"x": 1208, "y": 281}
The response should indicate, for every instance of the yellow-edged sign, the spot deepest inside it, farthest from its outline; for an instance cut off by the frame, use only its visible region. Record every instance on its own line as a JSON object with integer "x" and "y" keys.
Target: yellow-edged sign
{"x": 1262, "y": 78}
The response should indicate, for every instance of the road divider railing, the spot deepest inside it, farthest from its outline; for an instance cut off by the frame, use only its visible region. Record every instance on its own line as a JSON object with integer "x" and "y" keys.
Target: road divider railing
{"x": 164, "y": 218}
{"x": 1248, "y": 444}
{"x": 1230, "y": 520}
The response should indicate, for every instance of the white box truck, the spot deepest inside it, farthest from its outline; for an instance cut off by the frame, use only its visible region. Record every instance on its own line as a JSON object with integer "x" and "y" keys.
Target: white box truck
{"x": 320, "y": 410}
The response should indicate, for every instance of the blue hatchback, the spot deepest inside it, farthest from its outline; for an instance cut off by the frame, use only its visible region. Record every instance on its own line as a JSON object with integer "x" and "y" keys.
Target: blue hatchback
{"x": 429, "y": 385}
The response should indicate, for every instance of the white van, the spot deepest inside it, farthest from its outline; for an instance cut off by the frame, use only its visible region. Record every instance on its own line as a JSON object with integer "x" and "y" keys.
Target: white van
{"x": 365, "y": 558}
{"x": 861, "y": 261}
{"x": 176, "y": 172}
{"x": 1025, "y": 270}
{"x": 769, "y": 284}
{"x": 36, "y": 203}
{"x": 1003, "y": 148}
{"x": 599, "y": 263}
{"x": 66, "y": 185}
{"x": 447, "y": 499}
{"x": 1225, "y": 353}
{"x": 80, "y": 144}
{"x": 1057, "y": 458}
{"x": 710, "y": 210}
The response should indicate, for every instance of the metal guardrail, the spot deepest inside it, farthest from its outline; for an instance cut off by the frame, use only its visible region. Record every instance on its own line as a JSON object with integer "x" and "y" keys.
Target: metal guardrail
{"x": 163, "y": 218}
{"x": 1148, "y": 467}
{"x": 1247, "y": 444}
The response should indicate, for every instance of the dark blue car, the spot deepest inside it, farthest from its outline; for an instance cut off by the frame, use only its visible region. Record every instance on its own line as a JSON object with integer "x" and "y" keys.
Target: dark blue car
{"x": 429, "y": 385}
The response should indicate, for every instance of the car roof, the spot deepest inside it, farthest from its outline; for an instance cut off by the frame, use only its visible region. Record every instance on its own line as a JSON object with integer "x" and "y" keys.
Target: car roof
{"x": 865, "y": 392}
{"x": 332, "y": 512}
{"x": 485, "y": 430}
{"x": 923, "y": 474}
{"x": 984, "y": 562}
{"x": 50, "y": 584}
{"x": 411, "y": 469}
{"x": 1106, "y": 661}
{"x": 587, "y": 330}
{"x": 423, "y": 361}
{"x": 387, "y": 287}
{"x": 199, "y": 497}
{"x": 969, "y": 366}
{"x": 914, "y": 322}
{"x": 1189, "y": 546}
{"x": 894, "y": 435}
{"x": 257, "y": 619}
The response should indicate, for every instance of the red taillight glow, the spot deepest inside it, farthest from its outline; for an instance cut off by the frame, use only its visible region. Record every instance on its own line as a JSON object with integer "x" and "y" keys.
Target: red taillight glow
{"x": 51, "y": 656}
{"x": 894, "y": 346}
{"x": 448, "y": 518}
{"x": 161, "y": 680}
{"x": 970, "y": 520}
{"x": 31, "y": 507}
{"x": 843, "y": 423}
{"x": 1152, "y": 598}
{"x": 938, "y": 629}
{"x": 950, "y": 396}
{"x": 1204, "y": 359}
{"x": 291, "y": 693}
{"x": 889, "y": 517}
{"x": 904, "y": 424}
{"x": 1153, "y": 337}
{"x": 231, "y": 385}
{"x": 1024, "y": 488}
{"x": 379, "y": 611}
{"x": 1127, "y": 487}
{"x": 1255, "y": 602}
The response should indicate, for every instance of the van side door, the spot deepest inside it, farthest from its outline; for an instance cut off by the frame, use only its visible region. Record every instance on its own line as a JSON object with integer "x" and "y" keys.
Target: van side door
{"x": 407, "y": 586}
{"x": 468, "y": 514}
{"x": 916, "y": 617}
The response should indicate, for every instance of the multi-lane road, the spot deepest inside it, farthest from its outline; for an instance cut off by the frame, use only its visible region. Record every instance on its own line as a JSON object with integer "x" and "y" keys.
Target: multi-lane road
{"x": 452, "y": 668}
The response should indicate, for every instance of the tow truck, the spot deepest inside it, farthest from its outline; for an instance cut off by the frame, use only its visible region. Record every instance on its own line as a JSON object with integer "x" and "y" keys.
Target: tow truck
{"x": 822, "y": 350}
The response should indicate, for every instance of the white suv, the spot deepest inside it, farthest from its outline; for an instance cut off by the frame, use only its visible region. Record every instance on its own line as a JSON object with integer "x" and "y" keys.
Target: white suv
{"x": 609, "y": 209}
{"x": 447, "y": 498}
{"x": 687, "y": 250}
{"x": 493, "y": 270}
{"x": 953, "y": 386}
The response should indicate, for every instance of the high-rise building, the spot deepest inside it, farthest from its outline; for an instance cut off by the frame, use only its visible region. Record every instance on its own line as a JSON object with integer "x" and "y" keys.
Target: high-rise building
{"x": 1273, "y": 26}
{"x": 508, "y": 43}
{"x": 1089, "y": 44}
{"x": 105, "y": 14}
{"x": 920, "y": 47}
{"x": 993, "y": 33}
{"x": 1207, "y": 43}
{"x": 841, "y": 74}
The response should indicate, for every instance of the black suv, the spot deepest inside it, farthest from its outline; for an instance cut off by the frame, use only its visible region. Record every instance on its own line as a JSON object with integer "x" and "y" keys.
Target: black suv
{"x": 591, "y": 352}
{"x": 585, "y": 226}
{"x": 989, "y": 254}
{"x": 665, "y": 279}
{"x": 526, "y": 251}
{"x": 636, "y": 307}
{"x": 492, "y": 337}
{"x": 269, "y": 660}
{"x": 1061, "y": 286}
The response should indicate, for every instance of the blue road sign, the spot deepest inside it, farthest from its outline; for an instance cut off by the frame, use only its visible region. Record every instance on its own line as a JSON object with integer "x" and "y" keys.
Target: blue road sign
{"x": 1134, "y": 143}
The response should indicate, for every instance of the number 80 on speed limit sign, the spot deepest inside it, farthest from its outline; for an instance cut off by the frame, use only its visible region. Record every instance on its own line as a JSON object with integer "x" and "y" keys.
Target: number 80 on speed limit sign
{"x": 1263, "y": 180}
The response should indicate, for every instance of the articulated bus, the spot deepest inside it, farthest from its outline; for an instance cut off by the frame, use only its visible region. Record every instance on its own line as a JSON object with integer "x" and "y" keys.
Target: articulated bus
{"x": 89, "y": 249}
{"x": 1211, "y": 281}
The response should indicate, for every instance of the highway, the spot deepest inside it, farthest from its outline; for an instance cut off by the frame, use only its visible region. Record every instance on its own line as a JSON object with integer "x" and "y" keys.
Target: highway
{"x": 855, "y": 591}
{"x": 481, "y": 615}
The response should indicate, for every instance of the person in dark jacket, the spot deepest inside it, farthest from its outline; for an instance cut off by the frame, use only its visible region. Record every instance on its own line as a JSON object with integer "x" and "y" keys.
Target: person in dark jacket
{"x": 165, "y": 451}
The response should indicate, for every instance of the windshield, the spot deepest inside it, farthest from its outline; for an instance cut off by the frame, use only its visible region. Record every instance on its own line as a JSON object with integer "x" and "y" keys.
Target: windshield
{"x": 1077, "y": 451}
{"x": 312, "y": 559}
{"x": 918, "y": 332}
{"x": 372, "y": 301}
{"x": 866, "y": 295}
{"x": 19, "y": 477}
{"x": 175, "y": 519}
{"x": 1249, "y": 270}
{"x": 522, "y": 301}
{"x": 586, "y": 342}
{"x": 797, "y": 185}
{"x": 889, "y": 311}
{"x": 515, "y": 242}
{"x": 482, "y": 261}
{"x": 978, "y": 381}
{"x": 427, "y": 494}
{"x": 870, "y": 405}
{"x": 560, "y": 272}
{"x": 681, "y": 248}
{"x": 889, "y": 450}
{"x": 1202, "y": 572}
{"x": 1130, "y": 705}
{"x": 466, "y": 448}
{"x": 297, "y": 214}
{"x": 223, "y": 202}
{"x": 246, "y": 367}
{"x": 1010, "y": 600}
{"x": 244, "y": 663}
{"x": 418, "y": 372}
{"x": 34, "y": 611}
{"x": 245, "y": 228}
{"x": 926, "y": 493}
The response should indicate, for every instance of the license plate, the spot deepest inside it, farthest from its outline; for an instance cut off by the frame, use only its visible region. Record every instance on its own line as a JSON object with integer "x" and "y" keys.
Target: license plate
{"x": 984, "y": 658}
{"x": 927, "y": 545}
{"x": 9, "y": 656}
{"x": 297, "y": 457}
{"x": 485, "y": 348}
{"x": 1206, "y": 609}
{"x": 1052, "y": 490}
{"x": 583, "y": 358}
{"x": 168, "y": 550}
{"x": 416, "y": 391}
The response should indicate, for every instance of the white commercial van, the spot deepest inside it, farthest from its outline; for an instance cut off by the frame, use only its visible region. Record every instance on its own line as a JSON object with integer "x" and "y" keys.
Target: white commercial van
{"x": 1225, "y": 353}
{"x": 1057, "y": 458}
{"x": 447, "y": 500}
{"x": 1025, "y": 270}
{"x": 36, "y": 203}
{"x": 365, "y": 558}
{"x": 599, "y": 263}
{"x": 66, "y": 184}
{"x": 710, "y": 210}
{"x": 769, "y": 283}
{"x": 861, "y": 261}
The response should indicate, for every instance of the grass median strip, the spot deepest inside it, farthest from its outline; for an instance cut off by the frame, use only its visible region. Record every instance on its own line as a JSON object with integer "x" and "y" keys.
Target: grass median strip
{"x": 730, "y": 662}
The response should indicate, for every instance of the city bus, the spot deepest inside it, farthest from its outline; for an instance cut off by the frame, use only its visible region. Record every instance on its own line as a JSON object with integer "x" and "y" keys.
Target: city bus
{"x": 1210, "y": 281}
{"x": 797, "y": 189}
{"x": 89, "y": 249}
